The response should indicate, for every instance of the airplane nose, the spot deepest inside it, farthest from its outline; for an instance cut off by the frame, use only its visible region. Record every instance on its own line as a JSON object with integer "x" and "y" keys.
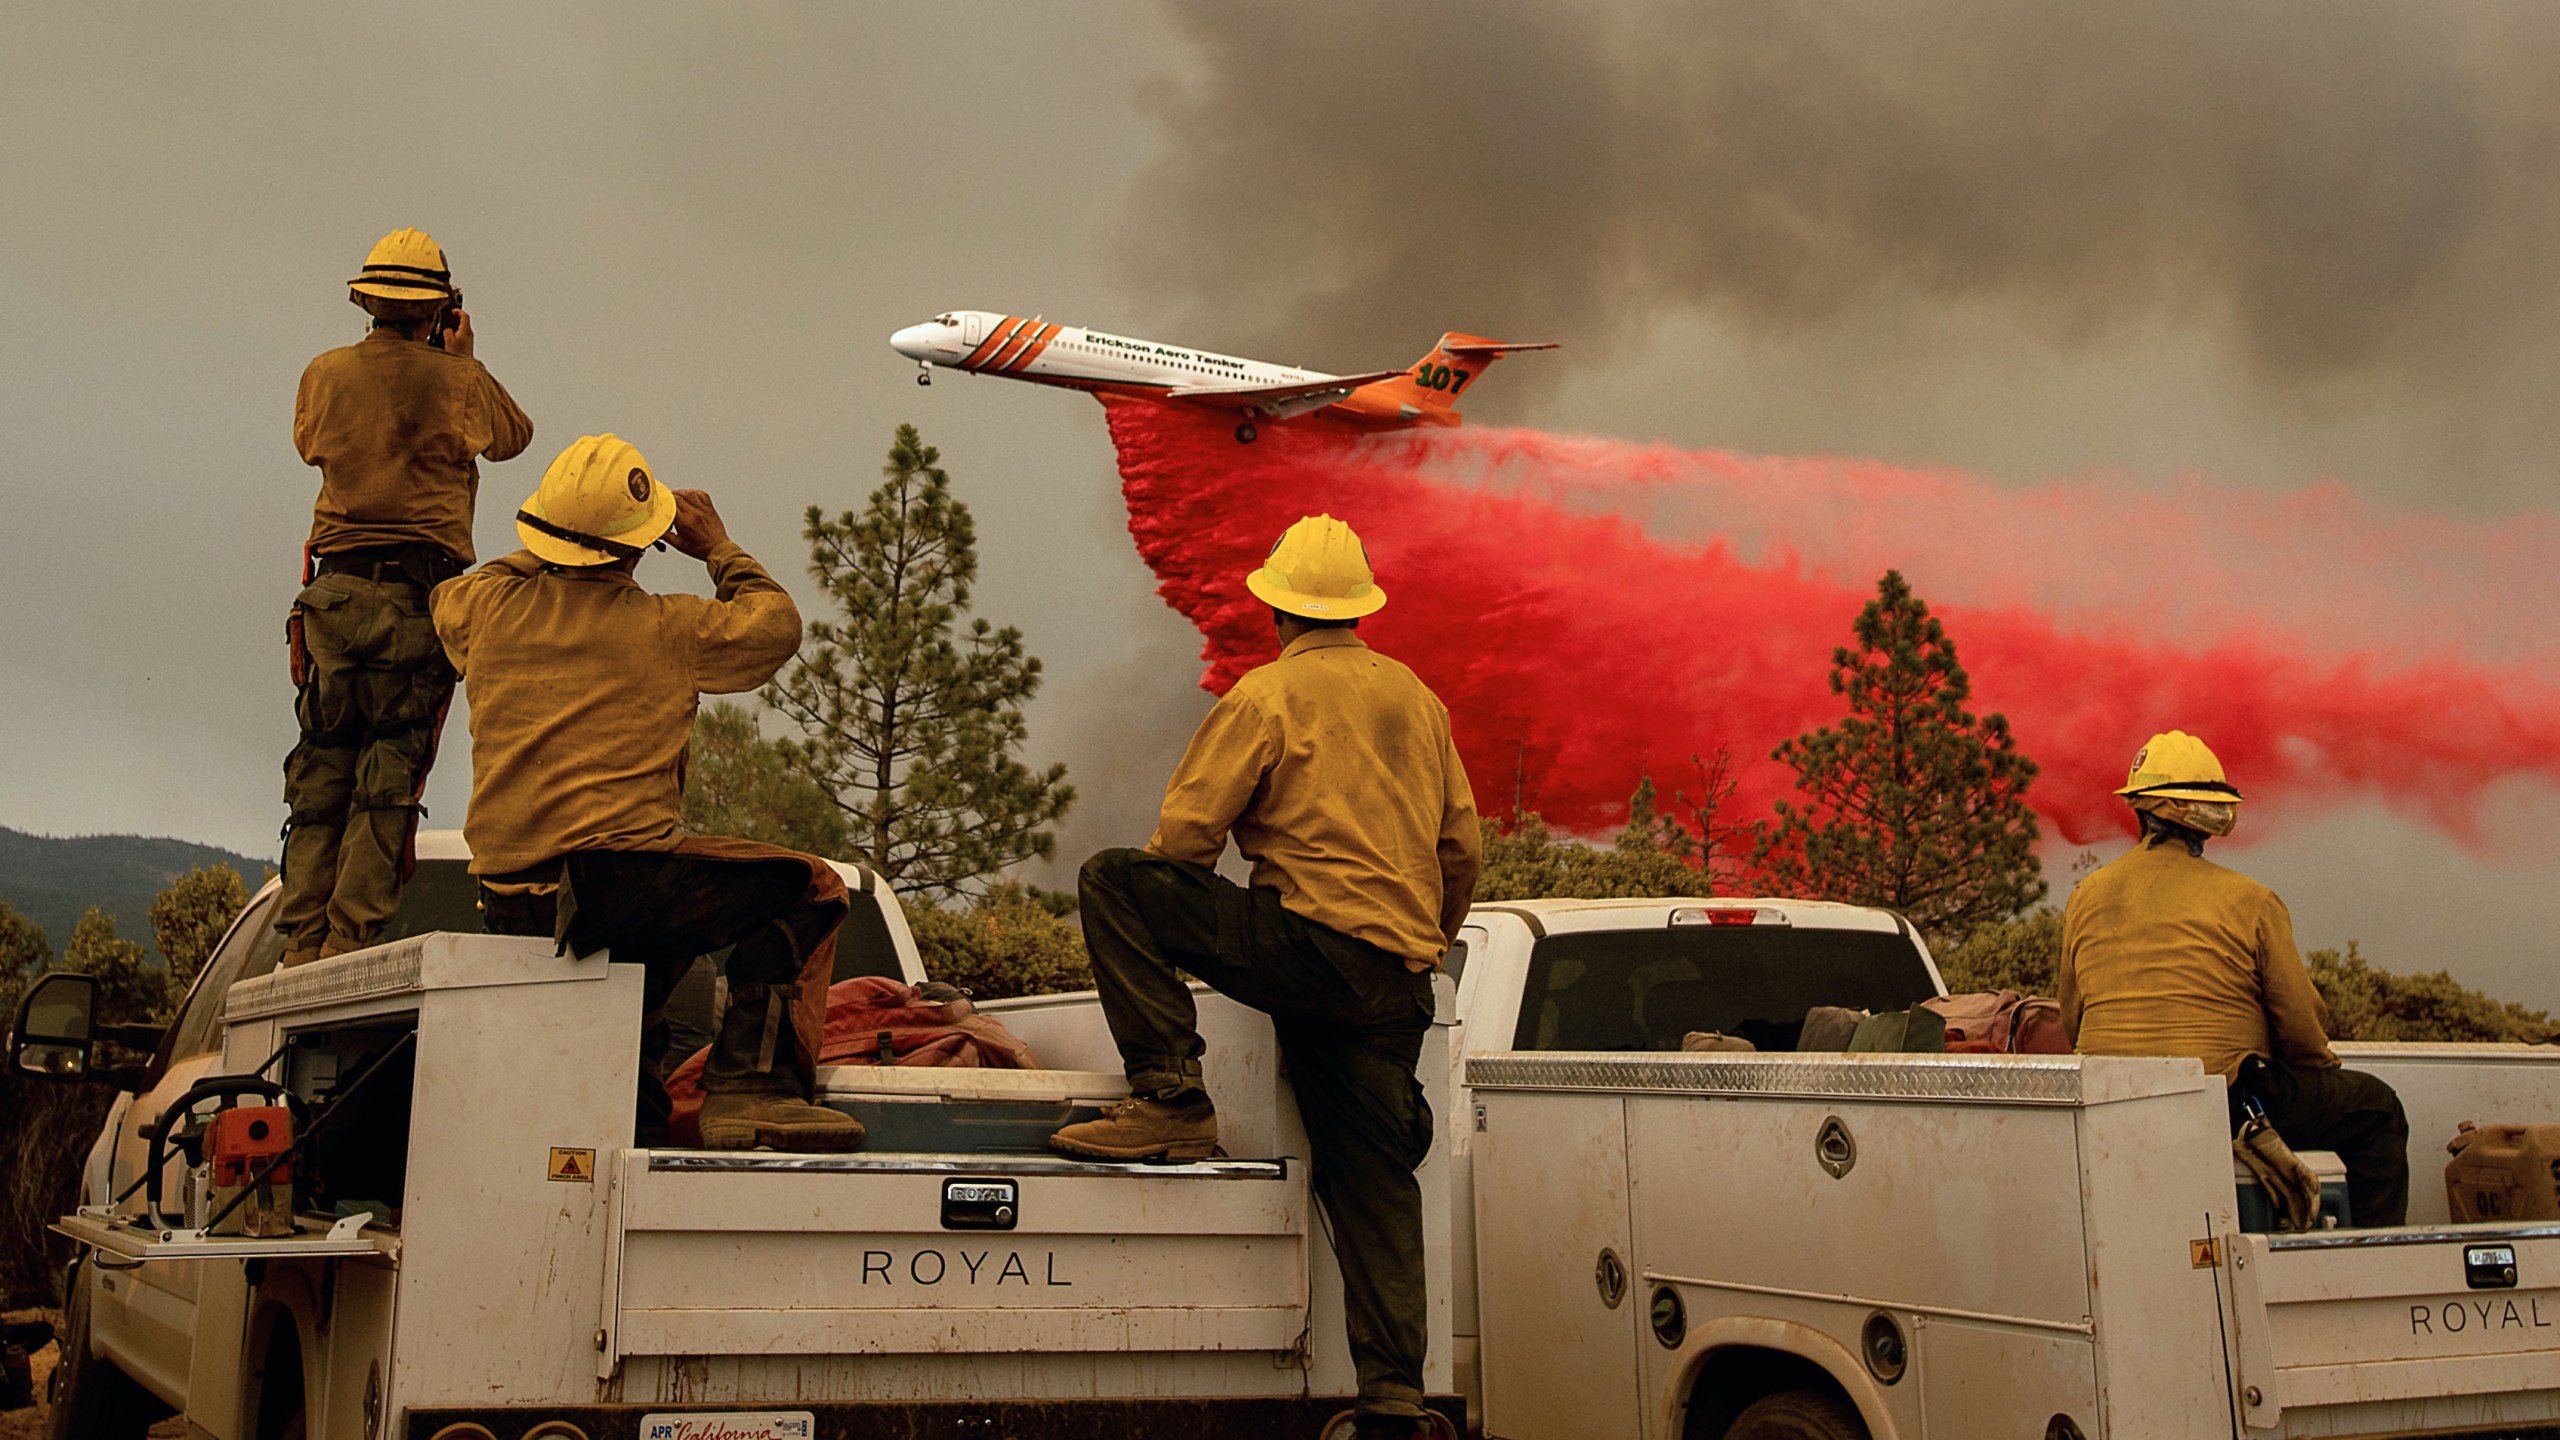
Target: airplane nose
{"x": 915, "y": 342}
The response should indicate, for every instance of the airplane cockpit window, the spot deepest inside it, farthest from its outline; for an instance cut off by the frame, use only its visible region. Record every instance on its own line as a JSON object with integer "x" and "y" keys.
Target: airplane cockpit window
{"x": 946, "y": 319}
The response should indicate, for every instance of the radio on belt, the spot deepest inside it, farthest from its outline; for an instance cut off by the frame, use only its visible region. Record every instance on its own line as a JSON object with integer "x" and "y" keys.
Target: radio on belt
{"x": 980, "y": 1204}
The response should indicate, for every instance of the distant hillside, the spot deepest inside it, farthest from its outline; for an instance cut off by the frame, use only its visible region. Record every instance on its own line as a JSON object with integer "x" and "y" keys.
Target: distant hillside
{"x": 52, "y": 881}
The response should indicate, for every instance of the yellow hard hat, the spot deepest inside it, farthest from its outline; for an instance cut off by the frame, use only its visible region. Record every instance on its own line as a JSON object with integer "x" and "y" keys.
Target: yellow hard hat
{"x": 2175, "y": 765}
{"x": 405, "y": 265}
{"x": 1319, "y": 570}
{"x": 598, "y": 503}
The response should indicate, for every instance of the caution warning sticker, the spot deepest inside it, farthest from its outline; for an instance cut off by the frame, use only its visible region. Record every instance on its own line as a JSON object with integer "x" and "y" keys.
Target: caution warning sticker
{"x": 573, "y": 1165}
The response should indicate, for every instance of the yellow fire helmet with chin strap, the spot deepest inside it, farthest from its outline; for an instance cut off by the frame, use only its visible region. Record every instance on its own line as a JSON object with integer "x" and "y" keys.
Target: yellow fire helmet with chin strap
{"x": 1318, "y": 570}
{"x": 2176, "y": 777}
{"x": 405, "y": 265}
{"x": 598, "y": 503}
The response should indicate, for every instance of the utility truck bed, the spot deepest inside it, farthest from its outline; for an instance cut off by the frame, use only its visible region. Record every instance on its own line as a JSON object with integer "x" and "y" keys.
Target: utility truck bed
{"x": 482, "y": 1244}
{"x": 1971, "y": 1246}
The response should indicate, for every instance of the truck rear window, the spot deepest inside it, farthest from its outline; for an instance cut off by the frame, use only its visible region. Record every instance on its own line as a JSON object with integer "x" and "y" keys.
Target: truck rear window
{"x": 1646, "y": 989}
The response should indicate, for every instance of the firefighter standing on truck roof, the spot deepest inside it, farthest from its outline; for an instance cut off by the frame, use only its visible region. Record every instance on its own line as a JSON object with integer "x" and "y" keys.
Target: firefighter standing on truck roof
{"x": 2166, "y": 953}
{"x": 395, "y": 423}
{"x": 1334, "y": 770}
{"x": 583, "y": 688}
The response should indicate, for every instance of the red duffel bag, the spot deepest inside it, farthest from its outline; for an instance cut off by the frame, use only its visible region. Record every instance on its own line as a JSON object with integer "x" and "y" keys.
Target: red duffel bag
{"x": 2001, "y": 1022}
{"x": 874, "y": 1020}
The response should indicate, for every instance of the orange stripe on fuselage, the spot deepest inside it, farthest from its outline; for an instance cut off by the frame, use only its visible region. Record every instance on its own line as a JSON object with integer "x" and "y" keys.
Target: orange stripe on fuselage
{"x": 1032, "y": 351}
{"x": 1021, "y": 339}
{"x": 995, "y": 337}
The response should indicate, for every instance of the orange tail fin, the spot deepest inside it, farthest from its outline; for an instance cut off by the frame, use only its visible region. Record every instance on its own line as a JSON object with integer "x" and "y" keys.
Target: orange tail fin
{"x": 1437, "y": 380}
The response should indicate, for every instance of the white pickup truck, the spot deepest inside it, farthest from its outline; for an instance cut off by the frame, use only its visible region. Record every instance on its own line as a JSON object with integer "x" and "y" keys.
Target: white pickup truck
{"x": 1783, "y": 1246}
{"x": 482, "y": 1253}
{"x": 1623, "y": 1242}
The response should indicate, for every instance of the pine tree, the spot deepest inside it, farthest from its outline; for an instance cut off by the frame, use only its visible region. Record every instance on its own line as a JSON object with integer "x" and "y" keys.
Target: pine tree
{"x": 739, "y": 783}
{"x": 188, "y": 918}
{"x": 24, "y": 951}
{"x": 1912, "y": 802}
{"x": 908, "y": 720}
{"x": 131, "y": 990}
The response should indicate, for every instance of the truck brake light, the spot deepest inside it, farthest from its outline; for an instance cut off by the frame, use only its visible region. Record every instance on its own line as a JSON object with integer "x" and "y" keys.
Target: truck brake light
{"x": 1727, "y": 915}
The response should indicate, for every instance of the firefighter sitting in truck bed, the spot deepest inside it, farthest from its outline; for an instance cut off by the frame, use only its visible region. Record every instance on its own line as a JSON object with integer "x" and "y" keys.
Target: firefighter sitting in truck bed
{"x": 2166, "y": 953}
{"x": 583, "y": 688}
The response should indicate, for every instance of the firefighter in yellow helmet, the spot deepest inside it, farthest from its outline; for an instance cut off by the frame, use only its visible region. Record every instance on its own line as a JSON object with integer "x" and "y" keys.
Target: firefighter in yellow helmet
{"x": 396, "y": 424}
{"x": 2166, "y": 953}
{"x": 583, "y": 688}
{"x": 1333, "y": 770}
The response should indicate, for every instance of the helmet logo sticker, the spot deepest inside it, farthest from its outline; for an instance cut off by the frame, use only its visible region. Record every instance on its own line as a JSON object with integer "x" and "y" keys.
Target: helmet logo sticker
{"x": 2139, "y": 756}
{"x": 639, "y": 479}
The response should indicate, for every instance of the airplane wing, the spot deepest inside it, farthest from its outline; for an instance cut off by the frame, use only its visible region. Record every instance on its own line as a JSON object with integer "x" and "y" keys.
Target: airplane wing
{"x": 1259, "y": 397}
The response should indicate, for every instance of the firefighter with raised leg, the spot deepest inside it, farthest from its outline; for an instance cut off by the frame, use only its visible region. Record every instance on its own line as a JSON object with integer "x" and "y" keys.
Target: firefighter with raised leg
{"x": 396, "y": 423}
{"x": 583, "y": 690}
{"x": 2166, "y": 953}
{"x": 1333, "y": 769}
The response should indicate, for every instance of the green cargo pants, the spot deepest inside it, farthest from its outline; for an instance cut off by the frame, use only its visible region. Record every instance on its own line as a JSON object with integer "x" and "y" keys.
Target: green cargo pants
{"x": 1350, "y": 1019}
{"x": 2346, "y": 1111}
{"x": 372, "y": 686}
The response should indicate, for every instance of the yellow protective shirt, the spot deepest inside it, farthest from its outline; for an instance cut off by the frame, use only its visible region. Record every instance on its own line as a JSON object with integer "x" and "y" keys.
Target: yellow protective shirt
{"x": 1333, "y": 768}
{"x": 395, "y": 426}
{"x": 2167, "y": 953}
{"x": 582, "y": 689}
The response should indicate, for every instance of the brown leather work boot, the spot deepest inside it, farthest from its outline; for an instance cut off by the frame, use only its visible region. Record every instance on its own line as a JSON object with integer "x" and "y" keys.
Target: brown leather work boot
{"x": 302, "y": 955}
{"x": 1184, "y": 1128}
{"x": 777, "y": 1122}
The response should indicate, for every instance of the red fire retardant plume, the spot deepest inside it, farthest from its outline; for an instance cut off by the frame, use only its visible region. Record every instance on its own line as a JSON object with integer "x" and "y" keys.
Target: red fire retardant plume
{"x": 1580, "y": 608}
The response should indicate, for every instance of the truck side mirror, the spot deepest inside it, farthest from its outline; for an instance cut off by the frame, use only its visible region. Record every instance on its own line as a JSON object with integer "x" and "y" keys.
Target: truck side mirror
{"x": 55, "y": 1028}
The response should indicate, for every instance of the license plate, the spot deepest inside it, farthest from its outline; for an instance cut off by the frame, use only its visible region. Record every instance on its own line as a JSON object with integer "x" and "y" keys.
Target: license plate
{"x": 730, "y": 1425}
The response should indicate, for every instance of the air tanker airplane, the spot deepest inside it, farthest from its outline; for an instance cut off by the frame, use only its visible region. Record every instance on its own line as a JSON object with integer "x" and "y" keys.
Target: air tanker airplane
{"x": 986, "y": 343}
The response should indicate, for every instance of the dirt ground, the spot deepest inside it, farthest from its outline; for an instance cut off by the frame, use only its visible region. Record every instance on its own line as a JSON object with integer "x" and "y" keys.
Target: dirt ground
{"x": 30, "y": 1424}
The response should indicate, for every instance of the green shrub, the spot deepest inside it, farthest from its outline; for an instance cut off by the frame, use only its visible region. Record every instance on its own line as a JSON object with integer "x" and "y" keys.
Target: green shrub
{"x": 2370, "y": 1004}
{"x": 1528, "y": 862}
{"x": 2024, "y": 954}
{"x": 1011, "y": 942}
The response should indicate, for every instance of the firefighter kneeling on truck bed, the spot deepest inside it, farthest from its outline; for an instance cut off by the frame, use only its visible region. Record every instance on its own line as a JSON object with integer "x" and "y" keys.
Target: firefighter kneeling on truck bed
{"x": 1334, "y": 770}
{"x": 583, "y": 688}
{"x": 2166, "y": 953}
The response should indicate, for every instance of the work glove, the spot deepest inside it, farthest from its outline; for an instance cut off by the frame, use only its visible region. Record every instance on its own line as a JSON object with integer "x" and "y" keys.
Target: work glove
{"x": 2289, "y": 1184}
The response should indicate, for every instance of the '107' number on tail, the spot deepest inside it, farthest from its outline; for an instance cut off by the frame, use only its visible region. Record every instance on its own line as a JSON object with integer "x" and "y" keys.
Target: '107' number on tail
{"x": 1439, "y": 377}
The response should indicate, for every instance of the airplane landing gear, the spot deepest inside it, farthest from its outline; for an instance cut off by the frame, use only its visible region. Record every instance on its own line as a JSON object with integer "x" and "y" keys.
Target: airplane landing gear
{"x": 1245, "y": 433}
{"x": 924, "y": 372}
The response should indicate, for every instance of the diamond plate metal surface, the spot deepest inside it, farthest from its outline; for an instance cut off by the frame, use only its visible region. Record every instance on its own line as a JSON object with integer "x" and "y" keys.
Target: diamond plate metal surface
{"x": 327, "y": 982}
{"x": 2005, "y": 1079}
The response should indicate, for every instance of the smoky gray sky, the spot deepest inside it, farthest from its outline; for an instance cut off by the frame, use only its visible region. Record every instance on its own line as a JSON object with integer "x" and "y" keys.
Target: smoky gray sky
{"x": 2274, "y": 245}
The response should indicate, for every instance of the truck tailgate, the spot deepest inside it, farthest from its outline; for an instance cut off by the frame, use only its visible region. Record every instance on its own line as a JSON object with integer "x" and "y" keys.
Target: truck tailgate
{"x": 2358, "y": 1323}
{"x": 753, "y": 1253}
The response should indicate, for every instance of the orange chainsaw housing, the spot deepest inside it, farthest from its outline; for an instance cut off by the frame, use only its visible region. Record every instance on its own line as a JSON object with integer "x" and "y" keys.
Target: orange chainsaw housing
{"x": 245, "y": 1137}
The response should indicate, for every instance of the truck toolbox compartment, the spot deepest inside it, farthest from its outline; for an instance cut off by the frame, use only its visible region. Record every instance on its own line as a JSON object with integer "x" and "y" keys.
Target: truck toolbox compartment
{"x": 728, "y": 1253}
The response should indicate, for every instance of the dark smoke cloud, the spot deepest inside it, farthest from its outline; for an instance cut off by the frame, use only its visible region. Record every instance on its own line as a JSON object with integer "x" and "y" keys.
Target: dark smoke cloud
{"x": 2343, "y": 194}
